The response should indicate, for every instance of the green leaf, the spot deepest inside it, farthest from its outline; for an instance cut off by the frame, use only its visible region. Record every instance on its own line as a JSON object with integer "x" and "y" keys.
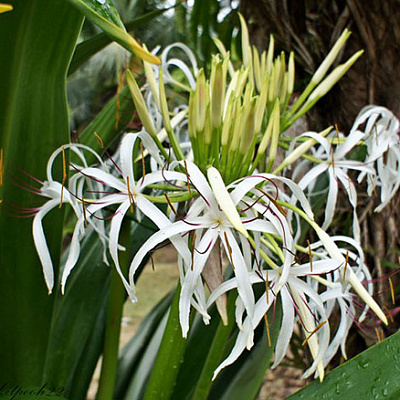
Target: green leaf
{"x": 38, "y": 38}
{"x": 243, "y": 379}
{"x": 170, "y": 355}
{"x": 76, "y": 321}
{"x": 103, "y": 14}
{"x": 132, "y": 354}
{"x": 109, "y": 123}
{"x": 90, "y": 47}
{"x": 373, "y": 374}
{"x": 75, "y": 315}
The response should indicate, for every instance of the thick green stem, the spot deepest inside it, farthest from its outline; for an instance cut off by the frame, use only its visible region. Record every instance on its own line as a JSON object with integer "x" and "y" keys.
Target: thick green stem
{"x": 215, "y": 354}
{"x": 169, "y": 357}
{"x": 113, "y": 325}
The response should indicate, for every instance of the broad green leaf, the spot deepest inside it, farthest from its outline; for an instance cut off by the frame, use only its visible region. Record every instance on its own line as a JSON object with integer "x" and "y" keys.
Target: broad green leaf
{"x": 373, "y": 374}
{"x": 243, "y": 379}
{"x": 76, "y": 314}
{"x": 104, "y": 15}
{"x": 38, "y": 38}
{"x": 90, "y": 47}
{"x": 132, "y": 354}
{"x": 108, "y": 124}
{"x": 170, "y": 355}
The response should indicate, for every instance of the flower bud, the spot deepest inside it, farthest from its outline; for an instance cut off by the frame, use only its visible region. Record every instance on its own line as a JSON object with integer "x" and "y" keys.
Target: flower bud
{"x": 140, "y": 104}
{"x": 330, "y": 58}
{"x": 333, "y": 78}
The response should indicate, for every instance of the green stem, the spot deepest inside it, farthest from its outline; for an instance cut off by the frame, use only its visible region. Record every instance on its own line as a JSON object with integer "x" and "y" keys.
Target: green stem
{"x": 113, "y": 325}
{"x": 215, "y": 353}
{"x": 169, "y": 357}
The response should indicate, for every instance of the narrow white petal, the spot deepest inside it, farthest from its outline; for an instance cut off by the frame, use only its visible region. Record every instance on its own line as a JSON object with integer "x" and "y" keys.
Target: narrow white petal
{"x": 126, "y": 155}
{"x": 41, "y": 244}
{"x": 331, "y": 199}
{"x": 164, "y": 233}
{"x": 192, "y": 276}
{"x": 241, "y": 271}
{"x": 116, "y": 223}
{"x": 224, "y": 200}
{"x": 286, "y": 330}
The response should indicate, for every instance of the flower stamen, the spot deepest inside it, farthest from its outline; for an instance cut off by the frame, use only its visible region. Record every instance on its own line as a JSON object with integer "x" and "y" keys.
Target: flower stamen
{"x": 317, "y": 328}
{"x": 392, "y": 290}
{"x": 131, "y": 200}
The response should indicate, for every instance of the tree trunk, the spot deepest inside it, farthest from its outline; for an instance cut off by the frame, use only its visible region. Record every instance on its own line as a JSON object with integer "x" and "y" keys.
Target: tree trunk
{"x": 310, "y": 29}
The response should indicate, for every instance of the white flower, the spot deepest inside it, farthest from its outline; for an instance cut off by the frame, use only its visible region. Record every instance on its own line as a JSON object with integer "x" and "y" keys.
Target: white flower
{"x": 333, "y": 162}
{"x": 298, "y": 298}
{"x": 383, "y": 147}
{"x": 57, "y": 194}
{"x": 127, "y": 194}
{"x": 236, "y": 215}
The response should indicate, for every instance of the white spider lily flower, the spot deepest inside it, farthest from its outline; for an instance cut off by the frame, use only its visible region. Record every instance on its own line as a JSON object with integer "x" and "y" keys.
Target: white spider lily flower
{"x": 236, "y": 215}
{"x": 128, "y": 195}
{"x": 294, "y": 297}
{"x": 224, "y": 200}
{"x": 347, "y": 274}
{"x": 189, "y": 72}
{"x": 383, "y": 147}
{"x": 335, "y": 164}
{"x": 337, "y": 291}
{"x": 209, "y": 224}
{"x": 57, "y": 194}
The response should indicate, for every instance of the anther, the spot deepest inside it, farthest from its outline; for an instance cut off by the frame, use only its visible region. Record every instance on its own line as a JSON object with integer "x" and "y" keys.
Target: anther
{"x": 171, "y": 206}
{"x": 229, "y": 250}
{"x": 130, "y": 195}
{"x": 392, "y": 291}
{"x": 268, "y": 331}
{"x": 317, "y": 328}
{"x": 187, "y": 175}
{"x": 101, "y": 144}
{"x": 345, "y": 267}
{"x": 310, "y": 255}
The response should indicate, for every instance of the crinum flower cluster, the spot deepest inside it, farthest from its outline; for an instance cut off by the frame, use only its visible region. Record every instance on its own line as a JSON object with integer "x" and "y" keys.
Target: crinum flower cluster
{"x": 225, "y": 191}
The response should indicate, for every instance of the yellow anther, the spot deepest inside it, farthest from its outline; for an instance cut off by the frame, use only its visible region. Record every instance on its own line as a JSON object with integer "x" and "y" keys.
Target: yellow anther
{"x": 310, "y": 255}
{"x": 187, "y": 176}
{"x": 317, "y": 328}
{"x": 378, "y": 335}
{"x": 389, "y": 314}
{"x": 229, "y": 250}
{"x": 171, "y": 206}
{"x": 345, "y": 267}
{"x": 101, "y": 144}
{"x": 84, "y": 212}
{"x": 373, "y": 185}
{"x": 130, "y": 193}
{"x": 268, "y": 331}
{"x": 392, "y": 291}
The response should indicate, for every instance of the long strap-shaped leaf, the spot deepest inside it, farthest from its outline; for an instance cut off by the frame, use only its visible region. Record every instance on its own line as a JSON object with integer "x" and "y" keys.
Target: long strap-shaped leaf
{"x": 37, "y": 40}
{"x": 91, "y": 46}
{"x": 373, "y": 374}
{"x": 104, "y": 15}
